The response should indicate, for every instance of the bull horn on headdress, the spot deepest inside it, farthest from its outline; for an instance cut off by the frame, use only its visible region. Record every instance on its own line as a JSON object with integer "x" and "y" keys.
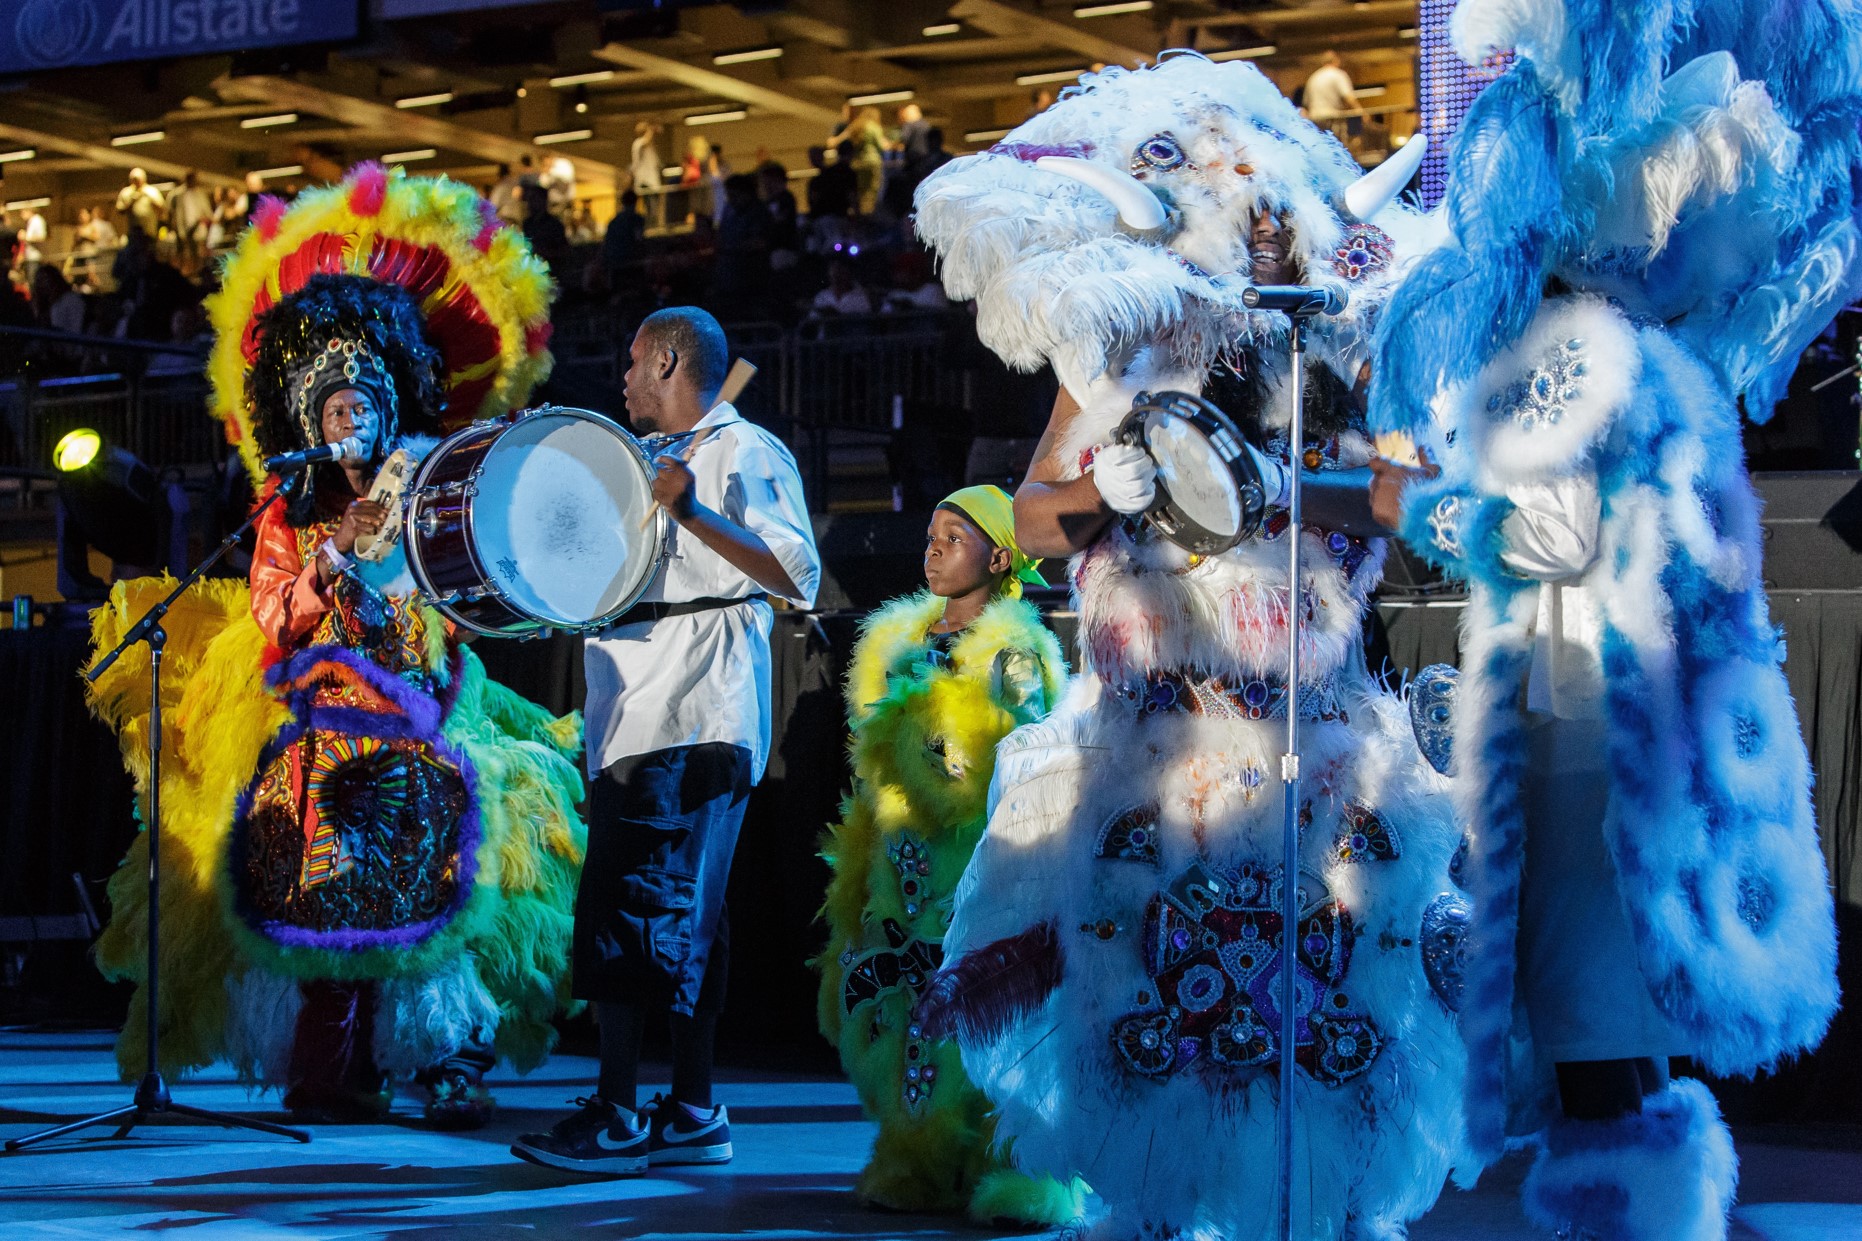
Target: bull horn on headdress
{"x": 1373, "y": 191}
{"x": 1138, "y": 207}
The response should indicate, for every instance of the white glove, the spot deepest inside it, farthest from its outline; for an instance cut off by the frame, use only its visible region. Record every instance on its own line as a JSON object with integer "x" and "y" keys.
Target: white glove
{"x": 1276, "y": 479}
{"x": 1126, "y": 477}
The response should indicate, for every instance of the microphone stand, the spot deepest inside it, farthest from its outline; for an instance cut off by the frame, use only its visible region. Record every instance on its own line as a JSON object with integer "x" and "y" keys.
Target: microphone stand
{"x": 1290, "y": 773}
{"x": 152, "y": 1096}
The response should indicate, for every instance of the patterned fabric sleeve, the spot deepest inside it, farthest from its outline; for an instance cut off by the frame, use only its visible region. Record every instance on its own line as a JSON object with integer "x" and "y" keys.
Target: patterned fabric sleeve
{"x": 288, "y": 596}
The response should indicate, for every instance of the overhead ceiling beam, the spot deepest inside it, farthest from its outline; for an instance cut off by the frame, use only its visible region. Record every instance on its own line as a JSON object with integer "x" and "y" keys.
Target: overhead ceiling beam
{"x": 953, "y": 49}
{"x": 112, "y": 157}
{"x": 408, "y": 125}
{"x": 720, "y": 84}
{"x": 815, "y": 29}
{"x": 999, "y": 19}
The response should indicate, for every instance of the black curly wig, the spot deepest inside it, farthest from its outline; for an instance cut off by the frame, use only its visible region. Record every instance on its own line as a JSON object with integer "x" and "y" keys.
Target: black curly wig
{"x": 384, "y": 317}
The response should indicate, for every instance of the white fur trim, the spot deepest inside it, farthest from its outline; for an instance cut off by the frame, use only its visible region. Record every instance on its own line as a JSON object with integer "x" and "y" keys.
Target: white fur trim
{"x": 261, "y": 1025}
{"x": 420, "y": 1021}
{"x": 1598, "y": 376}
{"x": 1666, "y": 1175}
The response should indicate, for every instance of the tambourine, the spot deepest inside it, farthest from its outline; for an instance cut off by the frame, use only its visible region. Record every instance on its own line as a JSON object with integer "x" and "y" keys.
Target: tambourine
{"x": 1209, "y": 493}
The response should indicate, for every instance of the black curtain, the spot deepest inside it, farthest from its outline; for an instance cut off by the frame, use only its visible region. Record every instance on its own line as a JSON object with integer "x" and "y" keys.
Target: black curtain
{"x": 67, "y": 808}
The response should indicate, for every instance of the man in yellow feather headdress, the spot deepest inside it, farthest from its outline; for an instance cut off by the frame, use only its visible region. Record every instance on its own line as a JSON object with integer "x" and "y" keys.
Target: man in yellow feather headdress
{"x": 370, "y": 849}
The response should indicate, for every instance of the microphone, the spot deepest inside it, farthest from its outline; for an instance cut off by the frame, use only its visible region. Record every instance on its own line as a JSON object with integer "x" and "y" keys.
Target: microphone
{"x": 1294, "y": 299}
{"x": 348, "y": 449}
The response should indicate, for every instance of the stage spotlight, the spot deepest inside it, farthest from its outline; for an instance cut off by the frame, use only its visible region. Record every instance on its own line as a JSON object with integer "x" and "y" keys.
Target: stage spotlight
{"x": 110, "y": 501}
{"x": 76, "y": 450}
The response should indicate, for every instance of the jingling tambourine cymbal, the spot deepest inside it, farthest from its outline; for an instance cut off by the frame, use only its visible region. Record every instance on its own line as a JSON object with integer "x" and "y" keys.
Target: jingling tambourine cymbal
{"x": 1209, "y": 492}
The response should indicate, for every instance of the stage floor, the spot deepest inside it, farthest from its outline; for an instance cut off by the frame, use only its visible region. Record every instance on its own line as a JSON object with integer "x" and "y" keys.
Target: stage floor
{"x": 800, "y": 1140}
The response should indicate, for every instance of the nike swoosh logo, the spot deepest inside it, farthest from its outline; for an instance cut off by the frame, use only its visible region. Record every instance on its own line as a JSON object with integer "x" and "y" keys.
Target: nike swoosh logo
{"x": 672, "y": 1137}
{"x": 607, "y": 1143}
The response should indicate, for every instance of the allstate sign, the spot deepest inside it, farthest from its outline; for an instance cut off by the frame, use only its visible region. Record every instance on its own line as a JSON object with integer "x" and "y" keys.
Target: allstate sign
{"x": 53, "y": 34}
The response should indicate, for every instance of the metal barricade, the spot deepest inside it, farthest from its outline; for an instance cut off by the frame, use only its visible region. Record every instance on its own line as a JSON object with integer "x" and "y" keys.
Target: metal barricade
{"x": 823, "y": 381}
{"x": 150, "y": 399}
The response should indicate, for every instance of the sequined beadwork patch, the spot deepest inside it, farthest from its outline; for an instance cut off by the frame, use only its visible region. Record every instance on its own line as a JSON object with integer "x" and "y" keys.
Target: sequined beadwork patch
{"x": 1444, "y": 946}
{"x": 1213, "y": 946}
{"x": 1541, "y": 398}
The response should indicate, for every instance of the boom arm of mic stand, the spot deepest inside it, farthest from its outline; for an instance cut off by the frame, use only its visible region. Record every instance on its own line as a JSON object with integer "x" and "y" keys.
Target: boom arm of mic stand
{"x": 147, "y": 622}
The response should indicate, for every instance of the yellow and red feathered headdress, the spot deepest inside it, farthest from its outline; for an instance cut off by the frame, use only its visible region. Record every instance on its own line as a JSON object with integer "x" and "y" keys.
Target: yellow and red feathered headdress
{"x": 484, "y": 295}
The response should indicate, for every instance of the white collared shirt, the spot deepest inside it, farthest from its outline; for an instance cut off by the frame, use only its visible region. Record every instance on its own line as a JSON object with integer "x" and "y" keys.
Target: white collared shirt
{"x": 705, "y": 677}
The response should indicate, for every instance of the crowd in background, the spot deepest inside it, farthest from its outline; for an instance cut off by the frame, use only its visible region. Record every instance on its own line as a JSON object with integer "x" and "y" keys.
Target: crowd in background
{"x": 738, "y": 242}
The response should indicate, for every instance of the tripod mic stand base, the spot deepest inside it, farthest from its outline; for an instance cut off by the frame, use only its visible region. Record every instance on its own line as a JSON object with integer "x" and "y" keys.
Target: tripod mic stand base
{"x": 152, "y": 1100}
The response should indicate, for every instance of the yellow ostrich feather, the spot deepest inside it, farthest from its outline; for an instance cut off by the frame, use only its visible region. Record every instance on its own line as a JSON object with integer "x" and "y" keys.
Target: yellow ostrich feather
{"x": 216, "y": 718}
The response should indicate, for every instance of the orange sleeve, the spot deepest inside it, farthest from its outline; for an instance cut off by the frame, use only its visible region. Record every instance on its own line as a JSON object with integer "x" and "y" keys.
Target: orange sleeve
{"x": 288, "y": 596}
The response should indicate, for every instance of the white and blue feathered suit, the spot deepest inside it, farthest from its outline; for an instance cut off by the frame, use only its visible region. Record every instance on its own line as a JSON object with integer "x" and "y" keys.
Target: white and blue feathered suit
{"x": 1654, "y": 210}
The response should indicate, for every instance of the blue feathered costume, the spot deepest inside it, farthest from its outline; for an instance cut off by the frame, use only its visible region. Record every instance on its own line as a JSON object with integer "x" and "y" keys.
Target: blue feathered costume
{"x": 1654, "y": 210}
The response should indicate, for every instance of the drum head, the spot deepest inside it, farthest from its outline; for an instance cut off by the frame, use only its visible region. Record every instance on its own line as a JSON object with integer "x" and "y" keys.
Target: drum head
{"x": 1208, "y": 493}
{"x": 560, "y": 519}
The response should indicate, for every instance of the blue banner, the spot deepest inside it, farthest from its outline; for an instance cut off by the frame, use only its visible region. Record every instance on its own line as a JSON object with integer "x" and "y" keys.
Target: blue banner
{"x": 36, "y": 35}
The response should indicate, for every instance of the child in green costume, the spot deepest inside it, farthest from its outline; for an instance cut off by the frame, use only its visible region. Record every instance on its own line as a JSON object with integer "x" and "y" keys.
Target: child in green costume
{"x": 938, "y": 678}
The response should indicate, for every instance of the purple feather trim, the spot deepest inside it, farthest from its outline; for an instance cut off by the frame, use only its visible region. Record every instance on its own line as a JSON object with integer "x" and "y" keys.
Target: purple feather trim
{"x": 978, "y": 996}
{"x": 289, "y": 680}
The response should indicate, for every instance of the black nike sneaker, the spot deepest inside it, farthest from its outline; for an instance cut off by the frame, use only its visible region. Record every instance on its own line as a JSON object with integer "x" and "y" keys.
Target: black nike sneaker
{"x": 682, "y": 1134}
{"x": 601, "y": 1139}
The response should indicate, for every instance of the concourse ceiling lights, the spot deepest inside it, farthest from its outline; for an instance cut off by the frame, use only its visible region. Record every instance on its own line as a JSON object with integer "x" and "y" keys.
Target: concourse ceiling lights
{"x": 716, "y": 118}
{"x": 1244, "y": 53}
{"x": 985, "y": 135}
{"x": 581, "y": 99}
{"x": 266, "y": 122}
{"x": 14, "y": 157}
{"x": 744, "y": 58}
{"x": 942, "y": 28}
{"x": 1113, "y": 10}
{"x": 408, "y": 157}
{"x": 1059, "y": 75}
{"x": 890, "y": 96}
{"x": 130, "y": 140}
{"x": 583, "y": 79}
{"x": 564, "y": 135}
{"x": 285, "y": 170}
{"x": 20, "y": 204}
{"x": 425, "y": 101}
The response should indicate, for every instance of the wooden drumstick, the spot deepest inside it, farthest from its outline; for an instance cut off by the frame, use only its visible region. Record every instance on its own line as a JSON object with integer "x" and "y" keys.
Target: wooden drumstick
{"x": 741, "y": 373}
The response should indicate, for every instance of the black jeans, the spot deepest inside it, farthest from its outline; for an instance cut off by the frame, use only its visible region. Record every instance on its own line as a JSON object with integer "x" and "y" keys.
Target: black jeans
{"x": 650, "y": 923}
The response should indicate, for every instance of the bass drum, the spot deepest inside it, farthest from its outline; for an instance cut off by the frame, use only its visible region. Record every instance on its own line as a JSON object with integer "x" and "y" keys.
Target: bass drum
{"x": 542, "y": 522}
